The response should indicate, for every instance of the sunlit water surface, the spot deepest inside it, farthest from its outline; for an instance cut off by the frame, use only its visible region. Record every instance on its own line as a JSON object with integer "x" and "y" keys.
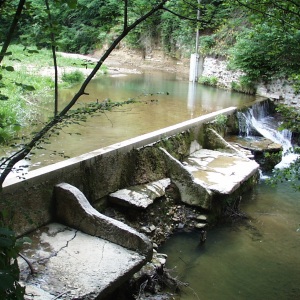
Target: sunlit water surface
{"x": 258, "y": 259}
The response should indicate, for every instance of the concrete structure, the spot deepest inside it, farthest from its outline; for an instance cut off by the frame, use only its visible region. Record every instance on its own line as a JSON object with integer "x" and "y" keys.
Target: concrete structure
{"x": 97, "y": 173}
{"x": 87, "y": 259}
{"x": 64, "y": 196}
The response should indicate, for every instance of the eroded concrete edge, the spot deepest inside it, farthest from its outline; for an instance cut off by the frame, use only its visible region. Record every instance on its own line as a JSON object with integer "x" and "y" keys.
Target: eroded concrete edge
{"x": 74, "y": 210}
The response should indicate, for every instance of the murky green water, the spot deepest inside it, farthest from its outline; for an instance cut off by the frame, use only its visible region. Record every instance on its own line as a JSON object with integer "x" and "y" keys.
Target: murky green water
{"x": 256, "y": 260}
{"x": 183, "y": 102}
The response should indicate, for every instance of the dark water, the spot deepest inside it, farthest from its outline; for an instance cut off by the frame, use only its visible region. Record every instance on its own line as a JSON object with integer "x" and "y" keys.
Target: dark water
{"x": 258, "y": 259}
{"x": 172, "y": 101}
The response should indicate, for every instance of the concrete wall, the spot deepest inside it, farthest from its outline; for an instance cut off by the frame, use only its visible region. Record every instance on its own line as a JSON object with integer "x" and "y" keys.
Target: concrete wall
{"x": 29, "y": 202}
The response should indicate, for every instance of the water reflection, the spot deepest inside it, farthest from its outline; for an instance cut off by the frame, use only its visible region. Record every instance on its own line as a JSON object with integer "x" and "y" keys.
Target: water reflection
{"x": 256, "y": 260}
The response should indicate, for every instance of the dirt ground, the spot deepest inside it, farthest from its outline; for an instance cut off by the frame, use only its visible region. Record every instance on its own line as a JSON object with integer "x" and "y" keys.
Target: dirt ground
{"x": 136, "y": 60}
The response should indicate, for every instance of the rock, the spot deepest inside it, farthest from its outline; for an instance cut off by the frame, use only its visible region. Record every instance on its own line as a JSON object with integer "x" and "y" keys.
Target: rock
{"x": 152, "y": 228}
{"x": 200, "y": 225}
{"x": 74, "y": 210}
{"x": 257, "y": 144}
{"x": 145, "y": 229}
{"x": 220, "y": 172}
{"x": 180, "y": 226}
{"x": 201, "y": 218}
{"x": 155, "y": 246}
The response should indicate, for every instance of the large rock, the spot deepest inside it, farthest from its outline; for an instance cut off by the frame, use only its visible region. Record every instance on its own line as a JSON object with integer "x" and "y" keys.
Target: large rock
{"x": 206, "y": 174}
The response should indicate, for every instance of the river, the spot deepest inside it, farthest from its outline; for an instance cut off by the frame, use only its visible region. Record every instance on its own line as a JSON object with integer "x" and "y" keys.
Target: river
{"x": 255, "y": 259}
{"x": 169, "y": 101}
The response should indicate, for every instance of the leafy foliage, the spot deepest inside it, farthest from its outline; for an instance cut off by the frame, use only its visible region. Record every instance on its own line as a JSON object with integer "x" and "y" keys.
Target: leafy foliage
{"x": 264, "y": 52}
{"x": 290, "y": 174}
{"x": 277, "y": 13}
{"x": 245, "y": 85}
{"x": 290, "y": 120}
{"x": 10, "y": 247}
{"x": 212, "y": 81}
{"x": 73, "y": 77}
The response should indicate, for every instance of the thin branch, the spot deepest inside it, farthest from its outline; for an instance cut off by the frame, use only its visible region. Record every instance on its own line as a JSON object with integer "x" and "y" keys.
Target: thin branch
{"x": 184, "y": 17}
{"x": 28, "y": 263}
{"x": 251, "y": 8}
{"x": 12, "y": 28}
{"x": 125, "y": 14}
{"x": 53, "y": 48}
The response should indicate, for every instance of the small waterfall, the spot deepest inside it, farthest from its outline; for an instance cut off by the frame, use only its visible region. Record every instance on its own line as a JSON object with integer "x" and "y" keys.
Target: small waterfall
{"x": 257, "y": 121}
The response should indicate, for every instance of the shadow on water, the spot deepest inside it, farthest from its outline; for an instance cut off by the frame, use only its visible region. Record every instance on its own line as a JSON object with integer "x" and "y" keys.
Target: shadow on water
{"x": 256, "y": 259}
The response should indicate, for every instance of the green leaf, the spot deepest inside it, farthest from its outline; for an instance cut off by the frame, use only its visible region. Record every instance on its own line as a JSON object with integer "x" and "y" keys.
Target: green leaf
{"x": 6, "y": 280}
{"x": 72, "y": 3}
{"x": 6, "y": 242}
{"x": 6, "y": 232}
{"x": 25, "y": 86}
{"x": 33, "y": 51}
{"x": 9, "y": 68}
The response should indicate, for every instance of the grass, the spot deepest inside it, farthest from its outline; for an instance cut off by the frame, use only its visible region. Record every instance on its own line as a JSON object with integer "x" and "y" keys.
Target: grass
{"x": 23, "y": 88}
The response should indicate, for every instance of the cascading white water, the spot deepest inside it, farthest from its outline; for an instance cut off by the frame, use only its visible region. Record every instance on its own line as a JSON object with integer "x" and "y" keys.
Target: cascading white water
{"x": 257, "y": 119}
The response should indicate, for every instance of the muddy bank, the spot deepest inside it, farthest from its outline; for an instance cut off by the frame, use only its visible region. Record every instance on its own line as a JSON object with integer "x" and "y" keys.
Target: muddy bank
{"x": 128, "y": 59}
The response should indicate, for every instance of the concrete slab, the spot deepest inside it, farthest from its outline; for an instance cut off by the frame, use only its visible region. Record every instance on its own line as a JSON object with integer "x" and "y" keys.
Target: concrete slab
{"x": 220, "y": 172}
{"x": 255, "y": 144}
{"x": 69, "y": 264}
{"x": 140, "y": 196}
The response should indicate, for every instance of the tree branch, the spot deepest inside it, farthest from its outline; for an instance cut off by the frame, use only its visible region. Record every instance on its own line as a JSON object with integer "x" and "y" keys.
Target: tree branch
{"x": 53, "y": 48}
{"x": 12, "y": 28}
{"x": 58, "y": 118}
{"x": 125, "y": 14}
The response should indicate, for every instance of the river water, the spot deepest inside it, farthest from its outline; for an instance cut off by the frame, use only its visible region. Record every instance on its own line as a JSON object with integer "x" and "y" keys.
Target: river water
{"x": 172, "y": 101}
{"x": 255, "y": 259}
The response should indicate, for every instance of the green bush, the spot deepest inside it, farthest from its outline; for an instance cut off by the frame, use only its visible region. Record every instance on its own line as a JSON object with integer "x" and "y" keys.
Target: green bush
{"x": 73, "y": 77}
{"x": 207, "y": 44}
{"x": 245, "y": 85}
{"x": 295, "y": 78}
{"x": 212, "y": 81}
{"x": 8, "y": 123}
{"x": 10, "y": 246}
{"x": 266, "y": 52}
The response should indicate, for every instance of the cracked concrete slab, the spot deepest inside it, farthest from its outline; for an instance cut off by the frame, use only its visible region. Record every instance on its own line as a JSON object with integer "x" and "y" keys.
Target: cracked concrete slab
{"x": 74, "y": 265}
{"x": 220, "y": 172}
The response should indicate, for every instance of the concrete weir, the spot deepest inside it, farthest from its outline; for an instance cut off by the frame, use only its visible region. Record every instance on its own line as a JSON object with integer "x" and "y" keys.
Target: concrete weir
{"x": 87, "y": 254}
